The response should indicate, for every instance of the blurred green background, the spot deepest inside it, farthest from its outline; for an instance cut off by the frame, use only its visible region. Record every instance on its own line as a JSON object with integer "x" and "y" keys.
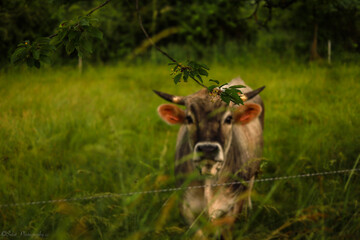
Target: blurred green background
{"x": 217, "y": 29}
{"x": 65, "y": 134}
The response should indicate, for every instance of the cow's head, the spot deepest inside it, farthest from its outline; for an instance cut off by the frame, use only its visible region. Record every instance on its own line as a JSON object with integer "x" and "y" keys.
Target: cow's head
{"x": 209, "y": 123}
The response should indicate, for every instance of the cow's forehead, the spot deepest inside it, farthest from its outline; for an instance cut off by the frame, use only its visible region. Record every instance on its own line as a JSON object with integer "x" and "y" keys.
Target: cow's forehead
{"x": 203, "y": 104}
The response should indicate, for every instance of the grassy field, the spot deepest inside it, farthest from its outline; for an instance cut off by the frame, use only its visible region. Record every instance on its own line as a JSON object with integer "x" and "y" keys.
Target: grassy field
{"x": 66, "y": 135}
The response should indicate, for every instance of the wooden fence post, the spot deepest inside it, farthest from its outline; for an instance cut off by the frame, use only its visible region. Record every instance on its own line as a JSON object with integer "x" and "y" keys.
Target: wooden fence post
{"x": 80, "y": 65}
{"x": 329, "y": 51}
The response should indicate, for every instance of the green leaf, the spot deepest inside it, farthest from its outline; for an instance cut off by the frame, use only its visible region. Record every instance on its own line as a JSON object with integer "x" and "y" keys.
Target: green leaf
{"x": 47, "y": 48}
{"x": 84, "y": 22}
{"x": 55, "y": 40}
{"x": 94, "y": 32}
{"x": 46, "y": 51}
{"x": 86, "y": 45}
{"x": 237, "y": 86}
{"x": 74, "y": 35}
{"x": 93, "y": 20}
{"x": 203, "y": 72}
{"x": 225, "y": 98}
{"x": 236, "y": 100}
{"x": 58, "y": 39}
{"x": 177, "y": 78}
{"x": 36, "y": 53}
{"x": 215, "y": 81}
{"x": 211, "y": 88}
{"x": 233, "y": 93}
{"x": 199, "y": 77}
{"x": 42, "y": 40}
{"x": 70, "y": 47}
{"x": 237, "y": 90}
{"x": 192, "y": 64}
{"x": 18, "y": 55}
{"x": 186, "y": 75}
{"x": 191, "y": 74}
{"x": 63, "y": 24}
{"x": 172, "y": 63}
{"x": 223, "y": 85}
{"x": 204, "y": 66}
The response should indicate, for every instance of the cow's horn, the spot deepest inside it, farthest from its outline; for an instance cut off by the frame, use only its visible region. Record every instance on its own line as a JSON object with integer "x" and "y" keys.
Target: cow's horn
{"x": 171, "y": 98}
{"x": 250, "y": 95}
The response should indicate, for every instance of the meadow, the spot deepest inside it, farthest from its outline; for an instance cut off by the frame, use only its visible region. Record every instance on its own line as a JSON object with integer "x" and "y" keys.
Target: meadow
{"x": 68, "y": 135}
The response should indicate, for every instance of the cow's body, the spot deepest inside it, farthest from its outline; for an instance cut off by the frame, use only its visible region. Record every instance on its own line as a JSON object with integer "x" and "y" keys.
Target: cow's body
{"x": 230, "y": 151}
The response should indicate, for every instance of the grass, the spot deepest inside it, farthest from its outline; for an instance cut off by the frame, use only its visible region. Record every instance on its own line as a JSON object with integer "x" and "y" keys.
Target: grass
{"x": 65, "y": 135}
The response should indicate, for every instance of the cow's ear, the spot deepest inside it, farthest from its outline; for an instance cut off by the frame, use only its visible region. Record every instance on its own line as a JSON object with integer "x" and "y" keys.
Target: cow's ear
{"x": 246, "y": 113}
{"x": 171, "y": 113}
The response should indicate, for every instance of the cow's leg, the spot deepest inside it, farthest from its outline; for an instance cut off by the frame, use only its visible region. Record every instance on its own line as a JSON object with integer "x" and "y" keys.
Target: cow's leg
{"x": 192, "y": 205}
{"x": 188, "y": 214}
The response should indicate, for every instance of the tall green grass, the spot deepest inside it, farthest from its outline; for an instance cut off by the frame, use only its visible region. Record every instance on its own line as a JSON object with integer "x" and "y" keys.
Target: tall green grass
{"x": 66, "y": 135}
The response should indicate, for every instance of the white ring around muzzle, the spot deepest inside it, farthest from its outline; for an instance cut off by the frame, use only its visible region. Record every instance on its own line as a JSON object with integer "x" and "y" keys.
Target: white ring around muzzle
{"x": 218, "y": 156}
{"x": 208, "y": 158}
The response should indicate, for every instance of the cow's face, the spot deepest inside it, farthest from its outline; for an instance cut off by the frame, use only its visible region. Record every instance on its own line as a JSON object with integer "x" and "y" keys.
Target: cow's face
{"x": 209, "y": 125}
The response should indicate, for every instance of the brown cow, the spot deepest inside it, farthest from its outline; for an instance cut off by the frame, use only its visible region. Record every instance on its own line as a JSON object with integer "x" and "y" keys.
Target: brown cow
{"x": 223, "y": 142}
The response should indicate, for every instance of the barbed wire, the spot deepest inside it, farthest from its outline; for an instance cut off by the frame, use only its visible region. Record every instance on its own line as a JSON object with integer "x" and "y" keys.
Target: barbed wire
{"x": 117, "y": 195}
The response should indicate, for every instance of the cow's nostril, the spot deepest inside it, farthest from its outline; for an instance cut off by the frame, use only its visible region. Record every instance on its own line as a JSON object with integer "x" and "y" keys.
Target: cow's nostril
{"x": 207, "y": 148}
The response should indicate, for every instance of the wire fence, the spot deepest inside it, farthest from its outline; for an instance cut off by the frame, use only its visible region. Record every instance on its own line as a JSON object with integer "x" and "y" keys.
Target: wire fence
{"x": 117, "y": 195}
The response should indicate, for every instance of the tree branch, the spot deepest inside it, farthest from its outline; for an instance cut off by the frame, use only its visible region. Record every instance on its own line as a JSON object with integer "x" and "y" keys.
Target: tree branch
{"x": 53, "y": 35}
{"x": 157, "y": 48}
{"x": 148, "y": 37}
{"x": 269, "y": 5}
{"x": 93, "y": 10}
{"x": 255, "y": 17}
{"x": 98, "y": 7}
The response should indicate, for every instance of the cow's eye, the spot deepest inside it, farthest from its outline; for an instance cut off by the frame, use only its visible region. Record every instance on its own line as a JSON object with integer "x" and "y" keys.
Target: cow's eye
{"x": 228, "y": 120}
{"x": 189, "y": 120}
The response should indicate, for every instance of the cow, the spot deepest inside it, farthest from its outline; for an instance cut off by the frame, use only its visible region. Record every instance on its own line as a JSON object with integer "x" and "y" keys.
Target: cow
{"x": 221, "y": 142}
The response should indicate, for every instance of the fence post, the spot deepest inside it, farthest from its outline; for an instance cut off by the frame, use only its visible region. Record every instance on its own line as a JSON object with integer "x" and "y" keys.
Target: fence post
{"x": 80, "y": 65}
{"x": 329, "y": 51}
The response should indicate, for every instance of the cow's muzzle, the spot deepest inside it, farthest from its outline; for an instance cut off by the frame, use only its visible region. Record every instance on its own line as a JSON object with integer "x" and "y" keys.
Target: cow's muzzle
{"x": 208, "y": 157}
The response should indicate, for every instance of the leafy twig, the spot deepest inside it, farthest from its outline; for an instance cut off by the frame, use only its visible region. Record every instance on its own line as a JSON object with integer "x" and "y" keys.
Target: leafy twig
{"x": 195, "y": 71}
{"x": 75, "y": 34}
{"x": 93, "y": 10}
{"x": 178, "y": 65}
